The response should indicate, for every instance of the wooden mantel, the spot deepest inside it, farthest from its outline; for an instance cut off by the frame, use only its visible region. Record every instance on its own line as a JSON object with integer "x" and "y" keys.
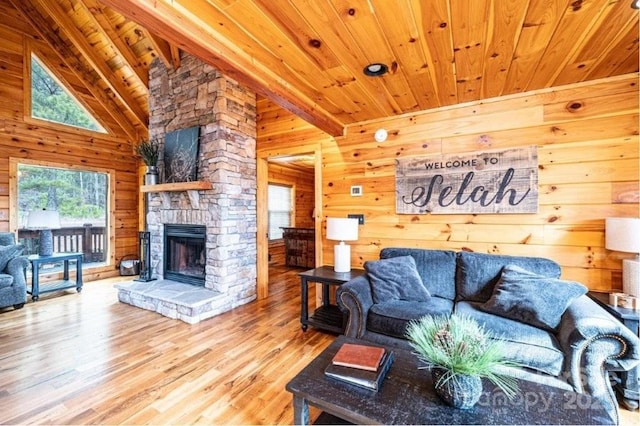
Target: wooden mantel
{"x": 191, "y": 188}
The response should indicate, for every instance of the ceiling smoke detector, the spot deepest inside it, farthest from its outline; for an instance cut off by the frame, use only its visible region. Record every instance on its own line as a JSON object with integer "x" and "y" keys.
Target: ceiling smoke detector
{"x": 375, "y": 70}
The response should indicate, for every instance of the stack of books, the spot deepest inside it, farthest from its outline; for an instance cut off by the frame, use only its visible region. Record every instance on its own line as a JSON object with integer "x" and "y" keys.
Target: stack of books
{"x": 360, "y": 365}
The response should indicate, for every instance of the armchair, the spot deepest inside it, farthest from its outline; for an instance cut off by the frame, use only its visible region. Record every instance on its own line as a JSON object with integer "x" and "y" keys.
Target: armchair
{"x": 13, "y": 282}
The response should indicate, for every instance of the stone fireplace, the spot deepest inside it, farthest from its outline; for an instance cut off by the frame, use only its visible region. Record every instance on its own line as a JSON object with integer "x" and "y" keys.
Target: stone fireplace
{"x": 222, "y": 266}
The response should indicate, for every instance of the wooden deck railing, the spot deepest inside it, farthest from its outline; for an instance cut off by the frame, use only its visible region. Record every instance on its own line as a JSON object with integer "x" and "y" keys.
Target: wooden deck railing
{"x": 88, "y": 239}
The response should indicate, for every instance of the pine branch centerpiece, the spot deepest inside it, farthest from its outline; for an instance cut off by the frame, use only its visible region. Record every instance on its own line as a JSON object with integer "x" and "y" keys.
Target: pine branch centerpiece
{"x": 459, "y": 352}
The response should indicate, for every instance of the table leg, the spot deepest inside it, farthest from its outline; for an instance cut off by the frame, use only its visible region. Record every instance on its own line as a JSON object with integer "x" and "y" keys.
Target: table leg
{"x": 79, "y": 274}
{"x": 65, "y": 275}
{"x": 300, "y": 411}
{"x": 35, "y": 280}
{"x": 325, "y": 295}
{"x": 304, "y": 300}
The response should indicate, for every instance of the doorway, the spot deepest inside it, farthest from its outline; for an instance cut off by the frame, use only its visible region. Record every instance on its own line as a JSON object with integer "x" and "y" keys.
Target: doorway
{"x": 300, "y": 171}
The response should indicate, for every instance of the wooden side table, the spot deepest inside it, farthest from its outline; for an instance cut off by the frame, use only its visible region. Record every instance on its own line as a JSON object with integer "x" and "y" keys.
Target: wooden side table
{"x": 629, "y": 380}
{"x": 37, "y": 260}
{"x": 328, "y": 316}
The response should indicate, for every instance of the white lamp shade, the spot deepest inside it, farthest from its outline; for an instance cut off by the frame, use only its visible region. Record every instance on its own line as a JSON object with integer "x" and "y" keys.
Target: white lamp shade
{"x": 43, "y": 219}
{"x": 342, "y": 229}
{"x": 623, "y": 234}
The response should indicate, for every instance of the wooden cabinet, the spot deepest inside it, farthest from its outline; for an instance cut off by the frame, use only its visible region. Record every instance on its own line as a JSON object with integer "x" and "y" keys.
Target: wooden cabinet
{"x": 299, "y": 247}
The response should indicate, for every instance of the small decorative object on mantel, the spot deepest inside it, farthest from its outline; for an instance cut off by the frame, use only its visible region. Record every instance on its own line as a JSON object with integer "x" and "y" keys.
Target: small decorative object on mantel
{"x": 149, "y": 152}
{"x": 459, "y": 353}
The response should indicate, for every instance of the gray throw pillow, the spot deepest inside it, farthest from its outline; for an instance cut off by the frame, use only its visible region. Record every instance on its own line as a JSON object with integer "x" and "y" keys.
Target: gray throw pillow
{"x": 9, "y": 252}
{"x": 396, "y": 278}
{"x": 533, "y": 299}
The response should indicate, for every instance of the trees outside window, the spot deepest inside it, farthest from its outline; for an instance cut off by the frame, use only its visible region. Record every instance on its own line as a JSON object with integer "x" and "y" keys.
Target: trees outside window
{"x": 79, "y": 196}
{"x": 52, "y": 102}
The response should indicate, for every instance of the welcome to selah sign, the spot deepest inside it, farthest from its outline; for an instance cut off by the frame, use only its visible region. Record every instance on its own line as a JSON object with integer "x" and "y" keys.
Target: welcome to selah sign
{"x": 504, "y": 181}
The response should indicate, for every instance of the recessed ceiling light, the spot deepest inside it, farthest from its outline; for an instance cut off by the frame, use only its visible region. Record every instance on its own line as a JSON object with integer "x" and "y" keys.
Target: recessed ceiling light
{"x": 375, "y": 70}
{"x": 635, "y": 4}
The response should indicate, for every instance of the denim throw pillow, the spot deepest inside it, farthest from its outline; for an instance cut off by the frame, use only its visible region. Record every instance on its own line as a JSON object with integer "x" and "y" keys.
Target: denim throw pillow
{"x": 9, "y": 252}
{"x": 532, "y": 299}
{"x": 396, "y": 278}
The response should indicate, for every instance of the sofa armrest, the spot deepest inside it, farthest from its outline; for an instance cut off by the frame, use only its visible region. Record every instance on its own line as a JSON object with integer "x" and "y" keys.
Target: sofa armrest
{"x": 354, "y": 298}
{"x": 592, "y": 341}
{"x": 17, "y": 268}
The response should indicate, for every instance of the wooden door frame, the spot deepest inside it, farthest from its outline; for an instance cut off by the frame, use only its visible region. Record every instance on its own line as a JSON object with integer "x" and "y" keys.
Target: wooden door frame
{"x": 262, "y": 170}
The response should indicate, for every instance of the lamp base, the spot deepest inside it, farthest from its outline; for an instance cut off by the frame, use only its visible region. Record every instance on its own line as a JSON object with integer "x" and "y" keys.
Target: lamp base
{"x": 46, "y": 243}
{"x": 342, "y": 257}
{"x": 631, "y": 277}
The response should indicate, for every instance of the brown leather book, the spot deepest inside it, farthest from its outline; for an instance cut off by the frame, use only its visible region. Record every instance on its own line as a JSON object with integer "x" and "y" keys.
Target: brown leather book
{"x": 359, "y": 356}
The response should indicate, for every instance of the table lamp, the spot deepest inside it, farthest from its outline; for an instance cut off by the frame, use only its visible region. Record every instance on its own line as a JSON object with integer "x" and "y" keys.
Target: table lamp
{"x": 44, "y": 221}
{"x": 342, "y": 229}
{"x": 623, "y": 234}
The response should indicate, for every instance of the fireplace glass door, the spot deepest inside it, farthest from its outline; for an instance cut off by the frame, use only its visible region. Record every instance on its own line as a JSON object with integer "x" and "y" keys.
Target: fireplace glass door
{"x": 185, "y": 253}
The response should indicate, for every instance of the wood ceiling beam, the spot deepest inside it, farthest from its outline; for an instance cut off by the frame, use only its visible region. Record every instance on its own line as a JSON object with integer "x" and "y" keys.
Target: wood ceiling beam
{"x": 162, "y": 48}
{"x": 69, "y": 28}
{"x": 68, "y": 57}
{"x": 189, "y": 28}
{"x": 96, "y": 10}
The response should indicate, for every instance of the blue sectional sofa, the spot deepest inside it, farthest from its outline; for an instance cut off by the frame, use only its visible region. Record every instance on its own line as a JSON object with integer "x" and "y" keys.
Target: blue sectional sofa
{"x": 551, "y": 327}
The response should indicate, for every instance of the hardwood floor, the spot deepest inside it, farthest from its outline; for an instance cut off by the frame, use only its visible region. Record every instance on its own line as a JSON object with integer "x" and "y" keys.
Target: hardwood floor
{"x": 88, "y": 359}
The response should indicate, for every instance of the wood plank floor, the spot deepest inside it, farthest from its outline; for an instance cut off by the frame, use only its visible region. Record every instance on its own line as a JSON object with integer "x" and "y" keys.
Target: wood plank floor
{"x": 88, "y": 359}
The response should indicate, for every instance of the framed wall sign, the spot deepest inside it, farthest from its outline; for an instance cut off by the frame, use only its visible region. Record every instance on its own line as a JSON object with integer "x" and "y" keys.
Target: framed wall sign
{"x": 500, "y": 181}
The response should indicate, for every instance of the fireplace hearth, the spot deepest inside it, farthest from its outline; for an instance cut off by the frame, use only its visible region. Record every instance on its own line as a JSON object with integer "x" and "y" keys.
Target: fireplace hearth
{"x": 185, "y": 254}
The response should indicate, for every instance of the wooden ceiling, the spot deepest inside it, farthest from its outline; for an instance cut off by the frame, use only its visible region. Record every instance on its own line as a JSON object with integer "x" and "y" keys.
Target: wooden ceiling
{"x": 308, "y": 55}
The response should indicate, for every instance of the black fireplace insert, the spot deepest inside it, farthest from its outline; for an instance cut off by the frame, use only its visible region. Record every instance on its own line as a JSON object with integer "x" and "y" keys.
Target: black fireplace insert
{"x": 185, "y": 254}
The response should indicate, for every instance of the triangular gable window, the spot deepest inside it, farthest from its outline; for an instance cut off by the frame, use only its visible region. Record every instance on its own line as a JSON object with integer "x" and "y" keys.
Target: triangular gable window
{"x": 51, "y": 101}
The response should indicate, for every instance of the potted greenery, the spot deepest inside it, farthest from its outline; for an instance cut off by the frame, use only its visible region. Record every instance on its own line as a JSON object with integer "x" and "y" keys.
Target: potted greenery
{"x": 459, "y": 353}
{"x": 149, "y": 152}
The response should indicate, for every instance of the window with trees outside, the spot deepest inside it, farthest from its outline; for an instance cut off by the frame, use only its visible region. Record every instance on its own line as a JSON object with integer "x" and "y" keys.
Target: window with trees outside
{"x": 81, "y": 199}
{"x": 52, "y": 102}
{"x": 280, "y": 201}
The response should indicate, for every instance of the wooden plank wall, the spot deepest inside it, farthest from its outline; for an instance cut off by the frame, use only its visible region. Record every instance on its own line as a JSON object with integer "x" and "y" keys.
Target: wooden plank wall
{"x": 588, "y": 147}
{"x": 302, "y": 181}
{"x": 53, "y": 144}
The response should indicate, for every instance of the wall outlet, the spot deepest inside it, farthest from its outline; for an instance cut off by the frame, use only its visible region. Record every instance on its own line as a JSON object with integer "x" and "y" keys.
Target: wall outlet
{"x": 360, "y": 218}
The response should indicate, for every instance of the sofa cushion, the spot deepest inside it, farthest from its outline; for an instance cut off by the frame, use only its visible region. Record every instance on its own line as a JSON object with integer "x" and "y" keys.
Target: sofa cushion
{"x": 395, "y": 279}
{"x": 7, "y": 238}
{"x": 527, "y": 345}
{"x": 478, "y": 273}
{"x": 533, "y": 299}
{"x": 391, "y": 318}
{"x": 437, "y": 268}
{"x": 9, "y": 252}
{"x": 6, "y": 280}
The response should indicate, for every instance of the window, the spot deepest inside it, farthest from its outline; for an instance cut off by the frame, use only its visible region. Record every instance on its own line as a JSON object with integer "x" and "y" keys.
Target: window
{"x": 52, "y": 102}
{"x": 79, "y": 196}
{"x": 280, "y": 210}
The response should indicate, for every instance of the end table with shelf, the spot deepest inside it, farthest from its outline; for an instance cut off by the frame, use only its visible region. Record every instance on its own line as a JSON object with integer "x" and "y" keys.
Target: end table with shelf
{"x": 328, "y": 316}
{"x": 65, "y": 283}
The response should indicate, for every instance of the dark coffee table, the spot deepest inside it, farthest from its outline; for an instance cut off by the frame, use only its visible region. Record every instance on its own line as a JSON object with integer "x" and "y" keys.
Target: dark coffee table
{"x": 407, "y": 397}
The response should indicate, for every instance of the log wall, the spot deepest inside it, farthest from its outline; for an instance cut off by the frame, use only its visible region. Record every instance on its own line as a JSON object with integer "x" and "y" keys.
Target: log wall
{"x": 588, "y": 148}
{"x": 57, "y": 145}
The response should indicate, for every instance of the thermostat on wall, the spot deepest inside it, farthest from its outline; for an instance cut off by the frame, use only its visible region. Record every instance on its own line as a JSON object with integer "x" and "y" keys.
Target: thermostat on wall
{"x": 356, "y": 190}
